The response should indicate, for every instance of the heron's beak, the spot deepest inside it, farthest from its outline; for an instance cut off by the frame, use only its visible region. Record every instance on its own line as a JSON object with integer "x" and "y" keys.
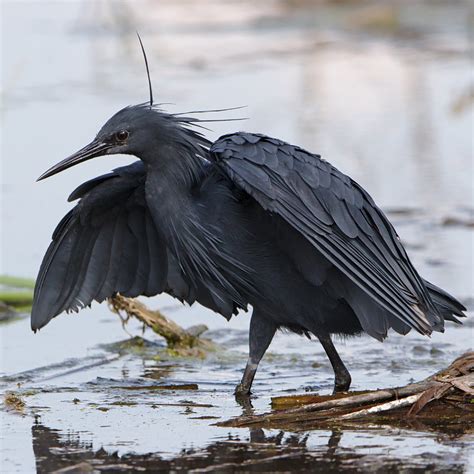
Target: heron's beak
{"x": 94, "y": 149}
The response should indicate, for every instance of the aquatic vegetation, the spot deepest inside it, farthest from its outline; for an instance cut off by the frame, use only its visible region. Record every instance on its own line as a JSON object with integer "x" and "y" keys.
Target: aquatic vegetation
{"x": 16, "y": 294}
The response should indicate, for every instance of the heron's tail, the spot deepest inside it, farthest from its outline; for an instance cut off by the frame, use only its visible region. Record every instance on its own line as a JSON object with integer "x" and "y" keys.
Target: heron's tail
{"x": 448, "y": 306}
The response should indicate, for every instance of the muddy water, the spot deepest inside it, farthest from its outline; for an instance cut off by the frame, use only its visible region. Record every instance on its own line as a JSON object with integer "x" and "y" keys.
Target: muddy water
{"x": 381, "y": 94}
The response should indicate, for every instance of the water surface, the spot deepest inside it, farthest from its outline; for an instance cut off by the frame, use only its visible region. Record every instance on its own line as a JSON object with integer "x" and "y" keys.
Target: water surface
{"x": 382, "y": 100}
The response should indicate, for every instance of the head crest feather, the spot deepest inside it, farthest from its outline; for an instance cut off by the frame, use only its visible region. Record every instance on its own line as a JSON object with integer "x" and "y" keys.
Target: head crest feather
{"x": 147, "y": 70}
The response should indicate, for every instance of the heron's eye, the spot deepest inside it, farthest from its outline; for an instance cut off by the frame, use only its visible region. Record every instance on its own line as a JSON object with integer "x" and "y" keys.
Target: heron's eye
{"x": 122, "y": 135}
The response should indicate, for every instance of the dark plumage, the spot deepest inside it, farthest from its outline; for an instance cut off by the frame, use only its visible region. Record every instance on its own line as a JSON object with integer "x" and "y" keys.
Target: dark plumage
{"x": 247, "y": 220}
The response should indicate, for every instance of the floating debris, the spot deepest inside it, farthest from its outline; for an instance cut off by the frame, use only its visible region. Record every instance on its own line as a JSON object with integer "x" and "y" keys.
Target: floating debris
{"x": 449, "y": 394}
{"x": 188, "y": 386}
{"x": 14, "y": 402}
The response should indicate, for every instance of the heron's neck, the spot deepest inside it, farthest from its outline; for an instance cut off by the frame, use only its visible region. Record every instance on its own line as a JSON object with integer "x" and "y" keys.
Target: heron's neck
{"x": 172, "y": 179}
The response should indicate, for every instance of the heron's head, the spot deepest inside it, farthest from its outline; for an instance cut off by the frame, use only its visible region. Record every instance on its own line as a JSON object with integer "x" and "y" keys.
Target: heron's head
{"x": 141, "y": 130}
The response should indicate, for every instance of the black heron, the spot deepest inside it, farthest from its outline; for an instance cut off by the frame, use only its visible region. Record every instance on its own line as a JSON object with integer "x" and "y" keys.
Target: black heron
{"x": 246, "y": 220}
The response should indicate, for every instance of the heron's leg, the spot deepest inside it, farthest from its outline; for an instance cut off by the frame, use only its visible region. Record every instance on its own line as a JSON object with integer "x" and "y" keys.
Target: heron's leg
{"x": 342, "y": 376}
{"x": 260, "y": 335}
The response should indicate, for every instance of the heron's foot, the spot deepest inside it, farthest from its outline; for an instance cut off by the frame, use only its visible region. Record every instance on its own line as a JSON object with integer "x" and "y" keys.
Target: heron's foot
{"x": 242, "y": 390}
{"x": 242, "y": 396}
{"x": 342, "y": 382}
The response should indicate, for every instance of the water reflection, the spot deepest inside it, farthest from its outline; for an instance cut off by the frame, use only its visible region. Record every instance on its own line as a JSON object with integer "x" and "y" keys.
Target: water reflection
{"x": 259, "y": 451}
{"x": 54, "y": 451}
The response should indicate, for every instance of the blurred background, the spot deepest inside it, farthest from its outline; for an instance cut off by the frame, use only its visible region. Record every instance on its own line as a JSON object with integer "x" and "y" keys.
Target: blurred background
{"x": 383, "y": 90}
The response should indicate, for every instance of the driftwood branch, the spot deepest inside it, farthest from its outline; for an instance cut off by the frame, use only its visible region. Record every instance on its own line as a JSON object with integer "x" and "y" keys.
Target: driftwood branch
{"x": 455, "y": 381}
{"x": 382, "y": 407}
{"x": 182, "y": 341}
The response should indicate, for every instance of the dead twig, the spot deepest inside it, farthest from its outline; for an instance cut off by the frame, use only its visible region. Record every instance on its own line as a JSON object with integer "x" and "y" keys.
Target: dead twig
{"x": 382, "y": 407}
{"x": 179, "y": 340}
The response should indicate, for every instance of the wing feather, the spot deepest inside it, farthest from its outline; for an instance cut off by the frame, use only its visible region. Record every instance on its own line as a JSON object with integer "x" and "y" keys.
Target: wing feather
{"x": 339, "y": 219}
{"x": 107, "y": 243}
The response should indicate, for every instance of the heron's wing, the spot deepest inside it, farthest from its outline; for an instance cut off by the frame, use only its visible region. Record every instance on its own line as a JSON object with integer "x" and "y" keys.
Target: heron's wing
{"x": 107, "y": 243}
{"x": 336, "y": 216}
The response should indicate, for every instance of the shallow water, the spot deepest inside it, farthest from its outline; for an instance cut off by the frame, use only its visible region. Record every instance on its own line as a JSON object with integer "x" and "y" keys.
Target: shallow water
{"x": 383, "y": 106}
{"x": 106, "y": 408}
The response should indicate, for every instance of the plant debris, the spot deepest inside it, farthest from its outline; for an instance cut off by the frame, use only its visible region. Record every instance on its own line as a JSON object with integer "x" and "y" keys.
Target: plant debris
{"x": 181, "y": 342}
{"x": 14, "y": 402}
{"x": 449, "y": 394}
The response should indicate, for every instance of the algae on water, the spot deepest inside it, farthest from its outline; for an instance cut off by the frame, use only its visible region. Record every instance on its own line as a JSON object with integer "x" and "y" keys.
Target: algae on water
{"x": 16, "y": 293}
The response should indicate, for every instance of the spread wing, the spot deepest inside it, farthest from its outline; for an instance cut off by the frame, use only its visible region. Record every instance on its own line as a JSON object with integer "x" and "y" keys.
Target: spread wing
{"x": 106, "y": 244}
{"x": 335, "y": 215}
